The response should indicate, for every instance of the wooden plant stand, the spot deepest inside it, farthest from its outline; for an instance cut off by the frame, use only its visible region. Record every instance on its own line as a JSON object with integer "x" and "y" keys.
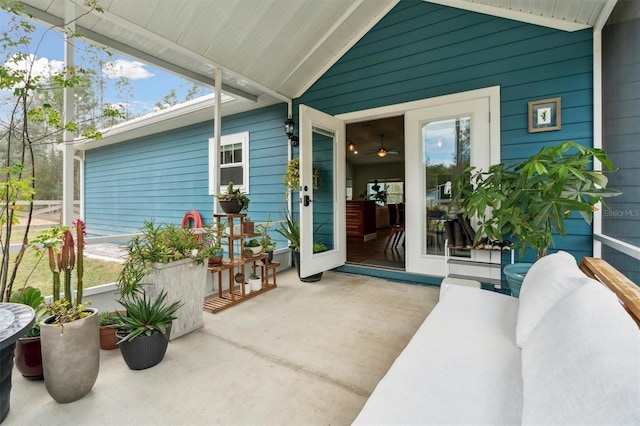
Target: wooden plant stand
{"x": 235, "y": 294}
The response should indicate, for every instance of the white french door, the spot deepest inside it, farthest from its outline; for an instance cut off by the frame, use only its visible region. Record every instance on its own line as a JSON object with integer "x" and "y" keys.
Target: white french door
{"x": 440, "y": 142}
{"x": 322, "y": 201}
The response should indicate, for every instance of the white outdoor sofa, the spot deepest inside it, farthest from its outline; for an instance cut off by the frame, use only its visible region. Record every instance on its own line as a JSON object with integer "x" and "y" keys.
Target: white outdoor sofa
{"x": 565, "y": 353}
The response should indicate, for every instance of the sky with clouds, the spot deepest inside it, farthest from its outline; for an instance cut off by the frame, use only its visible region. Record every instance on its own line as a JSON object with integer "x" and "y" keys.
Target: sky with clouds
{"x": 149, "y": 84}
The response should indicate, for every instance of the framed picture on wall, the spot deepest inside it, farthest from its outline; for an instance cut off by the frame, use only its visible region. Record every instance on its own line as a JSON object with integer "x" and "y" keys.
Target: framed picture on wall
{"x": 545, "y": 115}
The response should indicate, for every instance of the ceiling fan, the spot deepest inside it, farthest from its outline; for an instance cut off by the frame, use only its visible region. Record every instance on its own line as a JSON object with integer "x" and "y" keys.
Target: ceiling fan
{"x": 382, "y": 151}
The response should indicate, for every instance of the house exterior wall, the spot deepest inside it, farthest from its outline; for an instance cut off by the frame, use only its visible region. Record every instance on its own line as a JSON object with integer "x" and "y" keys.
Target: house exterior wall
{"x": 419, "y": 50}
{"x": 163, "y": 176}
{"x": 621, "y": 129}
{"x": 422, "y": 50}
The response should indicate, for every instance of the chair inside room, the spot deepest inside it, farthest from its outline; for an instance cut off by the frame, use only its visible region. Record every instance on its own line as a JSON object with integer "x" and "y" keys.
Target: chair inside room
{"x": 396, "y": 224}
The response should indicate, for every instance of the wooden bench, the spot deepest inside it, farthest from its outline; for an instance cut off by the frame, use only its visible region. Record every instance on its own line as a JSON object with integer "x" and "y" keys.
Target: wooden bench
{"x": 628, "y": 293}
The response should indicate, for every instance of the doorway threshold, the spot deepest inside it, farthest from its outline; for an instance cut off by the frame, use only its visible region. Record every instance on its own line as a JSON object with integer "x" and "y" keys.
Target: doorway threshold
{"x": 395, "y": 275}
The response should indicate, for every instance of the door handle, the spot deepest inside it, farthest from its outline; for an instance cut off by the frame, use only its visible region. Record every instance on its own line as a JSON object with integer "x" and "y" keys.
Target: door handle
{"x": 306, "y": 201}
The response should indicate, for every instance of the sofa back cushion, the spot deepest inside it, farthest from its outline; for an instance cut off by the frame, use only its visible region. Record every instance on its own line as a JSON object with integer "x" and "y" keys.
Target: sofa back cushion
{"x": 549, "y": 280}
{"x": 581, "y": 363}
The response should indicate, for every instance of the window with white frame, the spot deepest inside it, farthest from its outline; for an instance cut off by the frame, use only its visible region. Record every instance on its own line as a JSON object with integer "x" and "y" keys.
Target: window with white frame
{"x": 234, "y": 163}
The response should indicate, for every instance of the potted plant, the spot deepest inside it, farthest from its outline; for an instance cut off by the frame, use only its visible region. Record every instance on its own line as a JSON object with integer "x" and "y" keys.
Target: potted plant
{"x": 165, "y": 258}
{"x": 234, "y": 201}
{"x": 144, "y": 329}
{"x": 108, "y": 322}
{"x": 291, "y": 178}
{"x": 530, "y": 200}
{"x": 69, "y": 336}
{"x": 290, "y": 229}
{"x": 255, "y": 282}
{"x": 267, "y": 244}
{"x": 212, "y": 242}
{"x": 28, "y": 354}
{"x": 248, "y": 226}
{"x": 254, "y": 246}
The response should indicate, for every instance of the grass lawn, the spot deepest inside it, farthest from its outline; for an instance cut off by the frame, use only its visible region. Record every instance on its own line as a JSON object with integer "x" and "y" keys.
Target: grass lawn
{"x": 96, "y": 272}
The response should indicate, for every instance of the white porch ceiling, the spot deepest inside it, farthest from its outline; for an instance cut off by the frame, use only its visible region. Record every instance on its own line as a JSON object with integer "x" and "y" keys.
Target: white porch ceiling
{"x": 271, "y": 51}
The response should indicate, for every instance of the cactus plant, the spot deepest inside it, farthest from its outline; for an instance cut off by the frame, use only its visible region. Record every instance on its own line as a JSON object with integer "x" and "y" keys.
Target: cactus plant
{"x": 64, "y": 257}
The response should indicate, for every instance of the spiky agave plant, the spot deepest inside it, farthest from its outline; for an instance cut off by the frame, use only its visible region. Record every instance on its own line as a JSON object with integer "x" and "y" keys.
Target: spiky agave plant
{"x": 146, "y": 317}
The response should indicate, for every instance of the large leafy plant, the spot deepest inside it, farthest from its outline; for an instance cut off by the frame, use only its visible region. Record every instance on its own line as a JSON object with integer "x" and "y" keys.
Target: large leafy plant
{"x": 531, "y": 200}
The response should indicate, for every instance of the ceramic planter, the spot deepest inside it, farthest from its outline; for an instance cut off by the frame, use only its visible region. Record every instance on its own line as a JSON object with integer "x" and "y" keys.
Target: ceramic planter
{"x": 256, "y": 284}
{"x": 515, "y": 274}
{"x": 247, "y": 288}
{"x": 71, "y": 360}
{"x": 230, "y": 207}
{"x": 216, "y": 260}
{"x": 144, "y": 351}
{"x": 310, "y": 279}
{"x": 28, "y": 358}
{"x": 184, "y": 281}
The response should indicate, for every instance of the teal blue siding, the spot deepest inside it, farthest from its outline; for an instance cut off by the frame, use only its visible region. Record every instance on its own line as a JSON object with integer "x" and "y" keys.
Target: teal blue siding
{"x": 422, "y": 50}
{"x": 163, "y": 176}
{"x": 419, "y": 50}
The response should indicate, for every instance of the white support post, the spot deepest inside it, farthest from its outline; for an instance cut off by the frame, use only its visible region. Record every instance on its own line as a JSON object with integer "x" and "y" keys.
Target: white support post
{"x": 217, "y": 134}
{"x": 68, "y": 114}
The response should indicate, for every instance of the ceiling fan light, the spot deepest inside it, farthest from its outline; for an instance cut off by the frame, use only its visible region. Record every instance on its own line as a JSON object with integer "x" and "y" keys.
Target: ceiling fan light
{"x": 382, "y": 152}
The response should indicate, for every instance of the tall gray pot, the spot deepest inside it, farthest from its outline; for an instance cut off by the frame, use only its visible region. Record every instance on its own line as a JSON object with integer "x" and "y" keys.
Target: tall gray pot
{"x": 71, "y": 360}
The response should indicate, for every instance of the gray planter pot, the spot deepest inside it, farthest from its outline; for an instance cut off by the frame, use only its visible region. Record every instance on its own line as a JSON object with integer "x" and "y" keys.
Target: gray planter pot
{"x": 144, "y": 351}
{"x": 71, "y": 360}
{"x": 184, "y": 281}
{"x": 310, "y": 279}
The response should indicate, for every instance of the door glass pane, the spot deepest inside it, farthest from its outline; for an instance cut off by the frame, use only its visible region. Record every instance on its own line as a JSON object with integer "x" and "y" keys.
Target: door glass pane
{"x": 447, "y": 152}
{"x": 324, "y": 187}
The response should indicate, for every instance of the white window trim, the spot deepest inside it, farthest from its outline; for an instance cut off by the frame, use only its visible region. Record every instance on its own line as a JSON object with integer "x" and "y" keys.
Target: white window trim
{"x": 243, "y": 138}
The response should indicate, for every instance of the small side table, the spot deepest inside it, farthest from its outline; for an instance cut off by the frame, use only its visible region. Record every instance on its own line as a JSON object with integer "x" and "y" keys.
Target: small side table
{"x": 15, "y": 321}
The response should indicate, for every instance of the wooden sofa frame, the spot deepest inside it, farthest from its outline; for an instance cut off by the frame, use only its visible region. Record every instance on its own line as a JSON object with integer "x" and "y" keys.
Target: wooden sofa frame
{"x": 628, "y": 293}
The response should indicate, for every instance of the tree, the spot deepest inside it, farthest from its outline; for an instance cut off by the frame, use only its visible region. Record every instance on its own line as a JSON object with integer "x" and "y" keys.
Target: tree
{"x": 34, "y": 123}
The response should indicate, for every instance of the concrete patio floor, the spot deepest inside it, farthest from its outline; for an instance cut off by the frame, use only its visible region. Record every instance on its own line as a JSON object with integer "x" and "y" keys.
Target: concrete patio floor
{"x": 301, "y": 354}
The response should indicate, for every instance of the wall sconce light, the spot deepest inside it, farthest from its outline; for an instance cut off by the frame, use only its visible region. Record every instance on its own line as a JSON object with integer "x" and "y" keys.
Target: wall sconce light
{"x": 352, "y": 146}
{"x": 289, "y": 127}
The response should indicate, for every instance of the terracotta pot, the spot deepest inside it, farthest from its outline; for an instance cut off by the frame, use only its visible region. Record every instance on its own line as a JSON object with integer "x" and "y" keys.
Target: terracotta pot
{"x": 108, "y": 339}
{"x": 215, "y": 261}
{"x": 248, "y": 227}
{"x": 29, "y": 358}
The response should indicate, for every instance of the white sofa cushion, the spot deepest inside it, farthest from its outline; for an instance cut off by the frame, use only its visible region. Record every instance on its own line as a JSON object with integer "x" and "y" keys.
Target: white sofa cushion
{"x": 549, "y": 280}
{"x": 581, "y": 363}
{"x": 462, "y": 366}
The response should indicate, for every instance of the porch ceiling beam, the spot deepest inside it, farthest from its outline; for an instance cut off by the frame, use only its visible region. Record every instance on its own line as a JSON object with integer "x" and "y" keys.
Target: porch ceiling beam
{"x": 516, "y": 15}
{"x": 200, "y": 78}
{"x": 604, "y": 15}
{"x": 50, "y": 19}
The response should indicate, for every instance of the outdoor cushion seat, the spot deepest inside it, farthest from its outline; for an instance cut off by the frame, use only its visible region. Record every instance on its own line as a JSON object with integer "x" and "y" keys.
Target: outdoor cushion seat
{"x": 565, "y": 353}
